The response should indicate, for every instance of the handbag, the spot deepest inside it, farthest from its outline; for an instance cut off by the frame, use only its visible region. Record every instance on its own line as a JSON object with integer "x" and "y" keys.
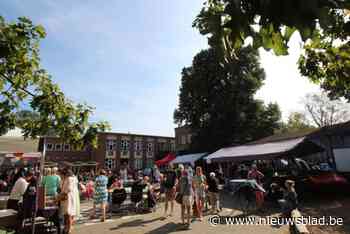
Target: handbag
{"x": 178, "y": 198}
{"x": 62, "y": 197}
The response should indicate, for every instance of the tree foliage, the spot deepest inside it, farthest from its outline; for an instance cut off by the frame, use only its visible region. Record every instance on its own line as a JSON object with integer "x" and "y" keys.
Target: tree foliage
{"x": 324, "y": 27}
{"x": 217, "y": 102}
{"x": 24, "y": 82}
{"x": 325, "y": 112}
{"x": 297, "y": 121}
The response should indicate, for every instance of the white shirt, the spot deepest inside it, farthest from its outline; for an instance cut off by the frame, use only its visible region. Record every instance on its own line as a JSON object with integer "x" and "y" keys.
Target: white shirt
{"x": 124, "y": 174}
{"x": 19, "y": 189}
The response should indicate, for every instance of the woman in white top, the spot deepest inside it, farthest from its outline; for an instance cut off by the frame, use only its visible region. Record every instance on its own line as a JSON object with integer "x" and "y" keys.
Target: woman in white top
{"x": 70, "y": 204}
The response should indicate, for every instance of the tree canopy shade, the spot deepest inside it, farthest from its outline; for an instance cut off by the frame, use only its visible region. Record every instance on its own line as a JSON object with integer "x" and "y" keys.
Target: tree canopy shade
{"x": 23, "y": 82}
{"x": 323, "y": 25}
{"x": 217, "y": 102}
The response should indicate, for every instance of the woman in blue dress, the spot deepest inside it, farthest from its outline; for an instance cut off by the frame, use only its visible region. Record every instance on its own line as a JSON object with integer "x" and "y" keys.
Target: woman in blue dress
{"x": 101, "y": 194}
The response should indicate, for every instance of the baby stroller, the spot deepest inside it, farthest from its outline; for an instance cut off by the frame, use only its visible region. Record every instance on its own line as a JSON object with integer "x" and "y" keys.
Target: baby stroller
{"x": 118, "y": 197}
{"x": 136, "y": 196}
{"x": 245, "y": 195}
{"x": 143, "y": 202}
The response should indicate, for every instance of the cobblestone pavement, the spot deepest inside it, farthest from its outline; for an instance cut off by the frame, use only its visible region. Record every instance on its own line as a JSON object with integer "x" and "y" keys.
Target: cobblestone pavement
{"x": 153, "y": 223}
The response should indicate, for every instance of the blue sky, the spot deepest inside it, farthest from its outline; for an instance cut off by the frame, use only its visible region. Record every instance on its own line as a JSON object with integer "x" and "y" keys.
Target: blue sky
{"x": 125, "y": 57}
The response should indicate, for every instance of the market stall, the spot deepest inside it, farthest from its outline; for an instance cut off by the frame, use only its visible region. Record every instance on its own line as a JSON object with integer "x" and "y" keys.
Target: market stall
{"x": 166, "y": 160}
{"x": 190, "y": 159}
{"x": 287, "y": 148}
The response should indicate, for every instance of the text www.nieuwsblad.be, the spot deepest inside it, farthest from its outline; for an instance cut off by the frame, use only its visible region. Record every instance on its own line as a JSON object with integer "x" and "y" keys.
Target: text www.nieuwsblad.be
{"x": 251, "y": 220}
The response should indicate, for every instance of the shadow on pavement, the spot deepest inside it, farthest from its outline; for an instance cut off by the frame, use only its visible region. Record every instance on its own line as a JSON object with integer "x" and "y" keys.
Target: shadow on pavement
{"x": 135, "y": 223}
{"x": 168, "y": 228}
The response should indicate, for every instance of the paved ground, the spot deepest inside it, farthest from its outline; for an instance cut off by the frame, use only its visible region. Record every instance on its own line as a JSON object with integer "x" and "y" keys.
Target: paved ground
{"x": 336, "y": 205}
{"x": 153, "y": 223}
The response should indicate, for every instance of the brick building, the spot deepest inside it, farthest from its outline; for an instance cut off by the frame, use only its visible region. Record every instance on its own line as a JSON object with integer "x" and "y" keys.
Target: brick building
{"x": 114, "y": 149}
{"x": 183, "y": 137}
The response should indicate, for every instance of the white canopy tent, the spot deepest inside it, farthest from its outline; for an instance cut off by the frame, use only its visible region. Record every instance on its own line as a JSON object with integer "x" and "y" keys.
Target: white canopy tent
{"x": 188, "y": 158}
{"x": 264, "y": 151}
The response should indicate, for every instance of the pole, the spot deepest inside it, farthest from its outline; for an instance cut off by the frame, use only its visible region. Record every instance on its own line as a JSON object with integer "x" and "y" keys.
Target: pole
{"x": 39, "y": 182}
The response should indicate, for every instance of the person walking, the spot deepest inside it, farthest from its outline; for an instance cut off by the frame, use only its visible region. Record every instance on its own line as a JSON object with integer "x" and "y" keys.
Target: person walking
{"x": 100, "y": 194}
{"x": 51, "y": 183}
{"x": 170, "y": 189}
{"x": 256, "y": 175}
{"x": 70, "y": 202}
{"x": 185, "y": 190}
{"x": 199, "y": 184}
{"x": 213, "y": 192}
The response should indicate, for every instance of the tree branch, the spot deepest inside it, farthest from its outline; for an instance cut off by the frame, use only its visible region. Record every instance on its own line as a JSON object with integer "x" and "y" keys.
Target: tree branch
{"x": 4, "y": 77}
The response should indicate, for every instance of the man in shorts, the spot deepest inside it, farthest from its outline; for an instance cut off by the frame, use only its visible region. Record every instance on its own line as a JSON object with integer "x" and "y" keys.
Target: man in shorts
{"x": 170, "y": 189}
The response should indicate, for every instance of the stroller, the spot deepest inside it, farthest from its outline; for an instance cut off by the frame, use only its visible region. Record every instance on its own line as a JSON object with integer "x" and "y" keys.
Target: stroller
{"x": 118, "y": 197}
{"x": 143, "y": 202}
{"x": 245, "y": 195}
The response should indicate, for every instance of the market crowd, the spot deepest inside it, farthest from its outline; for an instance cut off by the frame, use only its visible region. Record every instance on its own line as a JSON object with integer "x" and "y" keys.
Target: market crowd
{"x": 185, "y": 186}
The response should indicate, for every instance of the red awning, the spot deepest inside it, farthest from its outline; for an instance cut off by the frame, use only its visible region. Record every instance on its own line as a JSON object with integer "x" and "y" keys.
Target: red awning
{"x": 164, "y": 161}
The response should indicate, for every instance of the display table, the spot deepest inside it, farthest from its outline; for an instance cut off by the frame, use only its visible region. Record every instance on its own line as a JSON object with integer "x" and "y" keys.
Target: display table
{"x": 235, "y": 185}
{"x": 8, "y": 219}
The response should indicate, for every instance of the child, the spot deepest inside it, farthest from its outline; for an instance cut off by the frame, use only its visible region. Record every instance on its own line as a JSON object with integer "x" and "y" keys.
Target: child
{"x": 89, "y": 189}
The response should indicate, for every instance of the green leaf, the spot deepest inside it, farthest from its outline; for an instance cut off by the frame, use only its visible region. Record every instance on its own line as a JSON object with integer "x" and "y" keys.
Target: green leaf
{"x": 41, "y": 31}
{"x": 288, "y": 33}
{"x": 26, "y": 81}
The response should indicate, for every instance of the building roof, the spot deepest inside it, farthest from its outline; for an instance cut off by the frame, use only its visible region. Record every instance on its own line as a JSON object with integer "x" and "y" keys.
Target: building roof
{"x": 139, "y": 135}
{"x": 340, "y": 128}
{"x": 125, "y": 134}
{"x": 284, "y": 136}
{"x": 10, "y": 144}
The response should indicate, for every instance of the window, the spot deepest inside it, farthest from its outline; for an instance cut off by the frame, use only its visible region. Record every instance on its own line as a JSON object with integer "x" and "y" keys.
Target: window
{"x": 178, "y": 140}
{"x": 138, "y": 164}
{"x": 109, "y": 153}
{"x": 124, "y": 145}
{"x": 138, "y": 146}
{"x": 189, "y": 138}
{"x": 183, "y": 140}
{"x": 172, "y": 146}
{"x": 150, "y": 147}
{"x": 49, "y": 147}
{"x": 66, "y": 147}
{"x": 111, "y": 145}
{"x": 149, "y": 163}
{"x": 162, "y": 146}
{"x": 58, "y": 147}
{"x": 109, "y": 163}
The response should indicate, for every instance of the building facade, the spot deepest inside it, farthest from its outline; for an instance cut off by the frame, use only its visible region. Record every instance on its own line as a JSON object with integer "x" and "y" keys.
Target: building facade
{"x": 113, "y": 150}
{"x": 183, "y": 139}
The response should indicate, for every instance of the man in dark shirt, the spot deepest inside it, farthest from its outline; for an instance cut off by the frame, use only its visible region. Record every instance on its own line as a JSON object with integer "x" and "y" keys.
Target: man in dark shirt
{"x": 213, "y": 192}
{"x": 169, "y": 187}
